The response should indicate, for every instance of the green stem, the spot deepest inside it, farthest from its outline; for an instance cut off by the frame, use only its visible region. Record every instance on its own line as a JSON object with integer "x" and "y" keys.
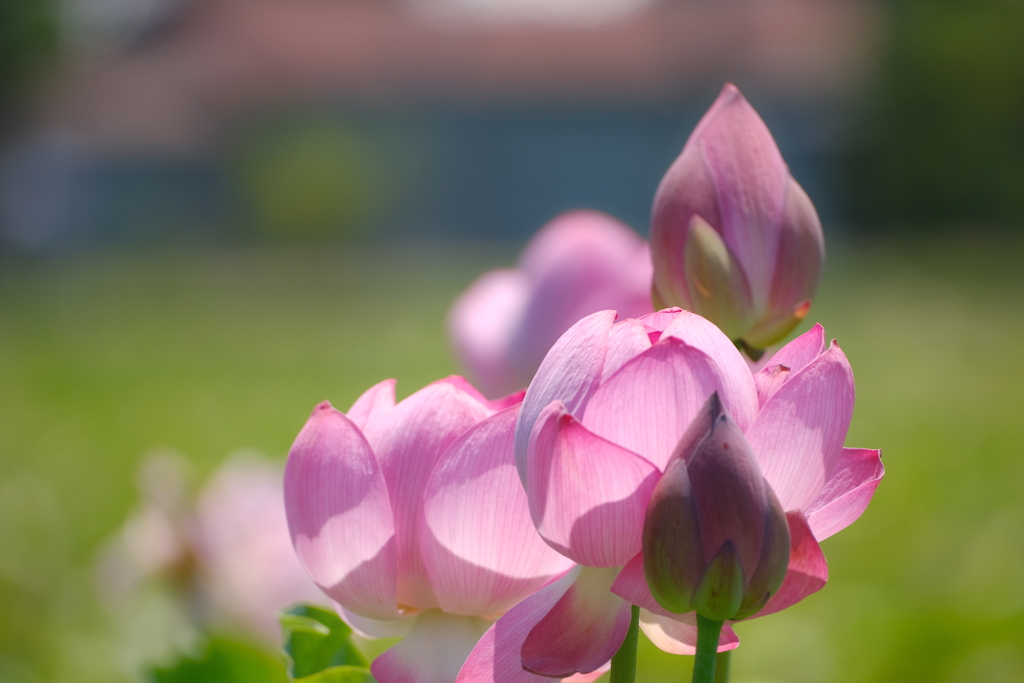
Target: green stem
{"x": 624, "y": 661}
{"x": 708, "y": 631}
{"x": 722, "y": 668}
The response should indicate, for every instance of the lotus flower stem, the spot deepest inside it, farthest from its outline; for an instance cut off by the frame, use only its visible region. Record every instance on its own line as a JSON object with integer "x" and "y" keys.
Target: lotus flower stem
{"x": 722, "y": 668}
{"x": 624, "y": 661}
{"x": 708, "y": 631}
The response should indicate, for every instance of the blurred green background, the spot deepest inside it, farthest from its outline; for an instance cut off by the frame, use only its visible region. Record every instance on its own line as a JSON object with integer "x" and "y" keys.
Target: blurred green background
{"x": 105, "y": 356}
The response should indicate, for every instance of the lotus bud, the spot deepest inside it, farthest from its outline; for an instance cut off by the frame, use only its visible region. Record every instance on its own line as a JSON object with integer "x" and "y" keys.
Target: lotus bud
{"x": 734, "y": 237}
{"x": 715, "y": 538}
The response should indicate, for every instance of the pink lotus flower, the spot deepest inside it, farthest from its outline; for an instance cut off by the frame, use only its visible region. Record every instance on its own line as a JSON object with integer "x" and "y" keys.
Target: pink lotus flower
{"x": 579, "y": 263}
{"x": 412, "y": 518}
{"x": 734, "y": 237}
{"x": 597, "y": 428}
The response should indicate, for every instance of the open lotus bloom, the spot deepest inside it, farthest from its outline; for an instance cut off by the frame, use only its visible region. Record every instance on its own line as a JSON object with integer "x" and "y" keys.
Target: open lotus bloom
{"x": 733, "y": 236}
{"x": 600, "y": 423}
{"x": 579, "y": 263}
{"x": 411, "y": 517}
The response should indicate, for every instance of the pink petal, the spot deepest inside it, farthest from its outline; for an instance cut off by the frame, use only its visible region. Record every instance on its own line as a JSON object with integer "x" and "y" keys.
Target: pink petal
{"x": 648, "y": 404}
{"x": 802, "y": 350}
{"x": 408, "y": 444}
{"x": 847, "y": 492}
{"x": 582, "y": 631}
{"x": 561, "y": 240}
{"x": 770, "y": 379}
{"x": 631, "y": 586}
{"x": 761, "y": 363}
{"x": 479, "y": 546}
{"x": 463, "y": 385}
{"x": 433, "y": 651}
{"x": 739, "y": 393}
{"x": 340, "y": 516}
{"x": 687, "y": 188}
{"x": 481, "y": 324}
{"x": 656, "y": 322}
{"x": 751, "y": 178}
{"x": 808, "y": 570}
{"x": 802, "y": 427}
{"x": 587, "y": 678}
{"x": 797, "y": 268}
{"x": 570, "y": 374}
{"x": 677, "y": 634}
{"x": 513, "y": 399}
{"x": 375, "y": 403}
{"x": 587, "y": 495}
{"x": 579, "y": 263}
{"x": 788, "y": 360}
{"x": 629, "y": 338}
{"x": 497, "y": 658}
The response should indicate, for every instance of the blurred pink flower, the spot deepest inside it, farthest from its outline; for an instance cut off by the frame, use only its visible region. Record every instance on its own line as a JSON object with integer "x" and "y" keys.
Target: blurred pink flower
{"x": 597, "y": 428}
{"x": 412, "y": 518}
{"x": 249, "y": 569}
{"x": 579, "y": 263}
{"x": 734, "y": 237}
{"x": 227, "y": 555}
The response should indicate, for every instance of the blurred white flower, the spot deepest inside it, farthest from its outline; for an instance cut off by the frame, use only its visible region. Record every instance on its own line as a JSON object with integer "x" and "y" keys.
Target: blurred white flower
{"x": 226, "y": 555}
{"x": 242, "y": 547}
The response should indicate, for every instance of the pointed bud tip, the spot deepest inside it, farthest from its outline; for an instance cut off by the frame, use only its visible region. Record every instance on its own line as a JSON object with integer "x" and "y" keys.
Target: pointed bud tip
{"x": 730, "y": 90}
{"x": 702, "y": 426}
{"x": 716, "y": 412}
{"x": 714, "y": 405}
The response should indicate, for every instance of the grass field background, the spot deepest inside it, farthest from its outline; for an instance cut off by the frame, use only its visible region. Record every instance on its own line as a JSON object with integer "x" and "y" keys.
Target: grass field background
{"x": 107, "y": 356}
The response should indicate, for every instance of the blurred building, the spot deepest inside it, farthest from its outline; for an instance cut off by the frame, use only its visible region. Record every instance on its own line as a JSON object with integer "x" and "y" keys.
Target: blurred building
{"x": 187, "y": 119}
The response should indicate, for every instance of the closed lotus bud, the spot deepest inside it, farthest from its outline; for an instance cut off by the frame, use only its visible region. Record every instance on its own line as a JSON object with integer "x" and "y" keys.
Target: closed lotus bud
{"x": 734, "y": 237}
{"x": 715, "y": 538}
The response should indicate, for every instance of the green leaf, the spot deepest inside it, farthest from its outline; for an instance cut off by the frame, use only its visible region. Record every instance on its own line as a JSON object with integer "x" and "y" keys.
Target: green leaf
{"x": 340, "y": 674}
{"x": 222, "y": 661}
{"x": 317, "y": 641}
